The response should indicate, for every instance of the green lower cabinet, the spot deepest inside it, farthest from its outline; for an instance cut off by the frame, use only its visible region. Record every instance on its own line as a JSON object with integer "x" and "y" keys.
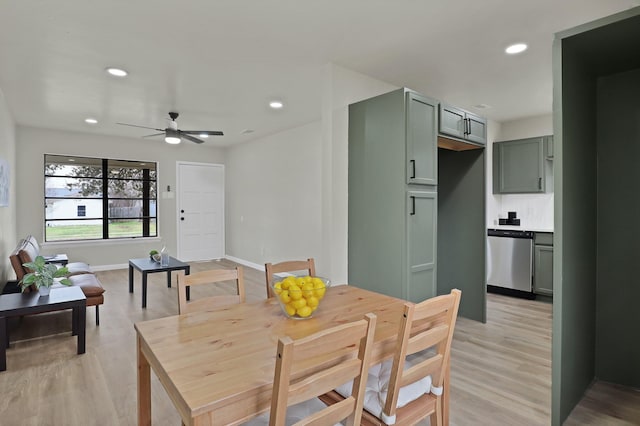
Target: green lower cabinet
{"x": 421, "y": 245}
{"x": 543, "y": 270}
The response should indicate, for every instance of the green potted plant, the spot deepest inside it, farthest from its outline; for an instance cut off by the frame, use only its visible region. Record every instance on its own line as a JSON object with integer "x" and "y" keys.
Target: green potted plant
{"x": 43, "y": 276}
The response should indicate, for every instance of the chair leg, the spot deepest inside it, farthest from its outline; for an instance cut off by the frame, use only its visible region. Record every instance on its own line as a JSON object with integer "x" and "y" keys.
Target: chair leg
{"x": 97, "y": 314}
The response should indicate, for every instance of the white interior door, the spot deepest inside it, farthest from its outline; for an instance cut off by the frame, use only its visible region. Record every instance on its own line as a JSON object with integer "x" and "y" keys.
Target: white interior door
{"x": 200, "y": 211}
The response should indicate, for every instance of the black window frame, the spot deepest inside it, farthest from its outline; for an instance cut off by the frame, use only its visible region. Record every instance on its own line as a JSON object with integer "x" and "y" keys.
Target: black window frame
{"x": 149, "y": 189}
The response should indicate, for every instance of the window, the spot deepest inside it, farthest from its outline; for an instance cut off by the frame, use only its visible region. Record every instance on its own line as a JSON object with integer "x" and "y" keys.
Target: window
{"x": 92, "y": 198}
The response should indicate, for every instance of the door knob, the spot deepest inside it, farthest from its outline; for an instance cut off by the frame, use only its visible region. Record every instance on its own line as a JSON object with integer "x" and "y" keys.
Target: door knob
{"x": 182, "y": 218}
{"x": 181, "y": 211}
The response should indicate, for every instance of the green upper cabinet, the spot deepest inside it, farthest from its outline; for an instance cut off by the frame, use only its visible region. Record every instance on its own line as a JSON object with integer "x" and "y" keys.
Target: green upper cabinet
{"x": 520, "y": 166}
{"x": 462, "y": 125}
{"x": 421, "y": 143}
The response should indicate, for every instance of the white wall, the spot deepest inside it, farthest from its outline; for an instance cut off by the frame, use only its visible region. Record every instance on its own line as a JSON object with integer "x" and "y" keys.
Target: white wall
{"x": 33, "y": 143}
{"x": 8, "y": 237}
{"x": 341, "y": 88}
{"x": 534, "y": 210}
{"x": 273, "y": 205}
{"x": 302, "y": 214}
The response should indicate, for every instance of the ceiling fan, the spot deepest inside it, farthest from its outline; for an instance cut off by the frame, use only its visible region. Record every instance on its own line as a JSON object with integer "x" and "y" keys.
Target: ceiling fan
{"x": 173, "y": 135}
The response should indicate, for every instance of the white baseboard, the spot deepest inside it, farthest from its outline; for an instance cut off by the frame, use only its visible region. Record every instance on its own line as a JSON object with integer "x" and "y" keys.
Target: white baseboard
{"x": 96, "y": 268}
{"x": 245, "y": 262}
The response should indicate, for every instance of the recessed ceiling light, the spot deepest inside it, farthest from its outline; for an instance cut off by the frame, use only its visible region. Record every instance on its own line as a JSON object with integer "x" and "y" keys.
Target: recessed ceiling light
{"x": 118, "y": 72}
{"x": 516, "y": 48}
{"x": 203, "y": 135}
{"x": 276, "y": 104}
{"x": 91, "y": 121}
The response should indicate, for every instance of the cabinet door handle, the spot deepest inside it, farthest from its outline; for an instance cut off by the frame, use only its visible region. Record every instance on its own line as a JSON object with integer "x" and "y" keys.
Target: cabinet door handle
{"x": 413, "y": 205}
{"x": 413, "y": 169}
{"x": 468, "y": 126}
{"x": 539, "y": 183}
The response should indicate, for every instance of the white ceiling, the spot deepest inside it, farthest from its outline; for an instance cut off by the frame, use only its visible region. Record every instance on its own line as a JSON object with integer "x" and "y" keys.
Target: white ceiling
{"x": 219, "y": 62}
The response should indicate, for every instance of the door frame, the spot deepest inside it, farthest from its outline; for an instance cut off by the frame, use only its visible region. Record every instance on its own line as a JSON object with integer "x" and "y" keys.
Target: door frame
{"x": 177, "y": 206}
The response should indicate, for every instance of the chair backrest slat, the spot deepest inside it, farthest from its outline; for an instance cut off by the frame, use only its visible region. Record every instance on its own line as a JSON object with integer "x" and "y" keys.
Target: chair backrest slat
{"x": 426, "y": 329}
{"x": 287, "y": 266}
{"x": 296, "y": 380}
{"x": 211, "y": 277}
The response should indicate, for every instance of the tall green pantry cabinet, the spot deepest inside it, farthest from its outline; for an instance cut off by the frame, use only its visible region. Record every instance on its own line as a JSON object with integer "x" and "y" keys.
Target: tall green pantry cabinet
{"x": 393, "y": 172}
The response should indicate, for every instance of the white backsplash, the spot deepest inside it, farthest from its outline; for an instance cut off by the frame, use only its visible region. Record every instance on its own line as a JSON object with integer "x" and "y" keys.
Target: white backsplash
{"x": 535, "y": 211}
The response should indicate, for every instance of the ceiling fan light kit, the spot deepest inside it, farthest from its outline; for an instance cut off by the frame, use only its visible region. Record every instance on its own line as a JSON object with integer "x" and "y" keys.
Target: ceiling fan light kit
{"x": 173, "y": 135}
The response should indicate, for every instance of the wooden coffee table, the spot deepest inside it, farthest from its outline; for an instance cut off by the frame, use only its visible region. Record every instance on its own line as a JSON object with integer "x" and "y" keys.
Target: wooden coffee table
{"x": 147, "y": 266}
{"x": 12, "y": 305}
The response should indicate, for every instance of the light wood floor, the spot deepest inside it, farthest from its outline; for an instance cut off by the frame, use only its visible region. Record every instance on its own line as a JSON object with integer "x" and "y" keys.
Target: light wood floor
{"x": 501, "y": 371}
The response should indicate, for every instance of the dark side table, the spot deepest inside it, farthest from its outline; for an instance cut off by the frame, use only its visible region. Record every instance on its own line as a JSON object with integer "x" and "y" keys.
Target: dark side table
{"x": 147, "y": 266}
{"x": 13, "y": 305}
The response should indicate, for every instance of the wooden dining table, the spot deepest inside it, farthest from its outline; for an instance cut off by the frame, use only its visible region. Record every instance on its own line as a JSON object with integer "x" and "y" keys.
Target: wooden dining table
{"x": 217, "y": 366}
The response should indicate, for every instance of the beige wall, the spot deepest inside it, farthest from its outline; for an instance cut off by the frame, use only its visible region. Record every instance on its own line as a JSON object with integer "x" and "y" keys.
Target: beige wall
{"x": 7, "y": 214}
{"x": 33, "y": 143}
{"x": 273, "y": 205}
{"x": 314, "y": 222}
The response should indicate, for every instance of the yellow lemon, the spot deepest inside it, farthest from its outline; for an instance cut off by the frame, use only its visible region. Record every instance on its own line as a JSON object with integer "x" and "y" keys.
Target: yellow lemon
{"x": 300, "y": 303}
{"x": 277, "y": 288}
{"x": 312, "y": 302}
{"x": 295, "y": 292}
{"x": 284, "y": 296}
{"x": 291, "y": 311}
{"x": 285, "y": 284}
{"x": 317, "y": 281}
{"x": 304, "y": 312}
{"x": 307, "y": 290}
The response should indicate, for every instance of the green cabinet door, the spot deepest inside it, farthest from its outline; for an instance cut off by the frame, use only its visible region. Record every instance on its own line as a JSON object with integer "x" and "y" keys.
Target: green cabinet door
{"x": 476, "y": 129}
{"x": 452, "y": 121}
{"x": 543, "y": 270}
{"x": 518, "y": 166}
{"x": 421, "y": 143}
{"x": 462, "y": 125}
{"x": 422, "y": 213}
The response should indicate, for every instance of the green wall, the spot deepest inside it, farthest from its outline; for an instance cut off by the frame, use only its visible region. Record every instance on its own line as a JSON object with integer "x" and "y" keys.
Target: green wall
{"x": 575, "y": 227}
{"x": 618, "y": 288}
{"x": 461, "y": 229}
{"x": 594, "y": 168}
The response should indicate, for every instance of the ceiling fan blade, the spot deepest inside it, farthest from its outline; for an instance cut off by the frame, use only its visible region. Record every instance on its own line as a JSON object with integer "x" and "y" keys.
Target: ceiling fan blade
{"x": 190, "y": 138}
{"x": 142, "y": 127}
{"x": 155, "y": 134}
{"x": 203, "y": 132}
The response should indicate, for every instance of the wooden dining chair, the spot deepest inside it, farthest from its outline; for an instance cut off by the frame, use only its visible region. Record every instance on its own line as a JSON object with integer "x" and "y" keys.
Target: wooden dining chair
{"x": 214, "y": 276}
{"x": 313, "y": 365}
{"x": 418, "y": 381}
{"x": 287, "y": 266}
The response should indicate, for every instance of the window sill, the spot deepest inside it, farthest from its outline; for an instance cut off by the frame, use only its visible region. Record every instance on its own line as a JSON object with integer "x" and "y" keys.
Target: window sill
{"x": 119, "y": 241}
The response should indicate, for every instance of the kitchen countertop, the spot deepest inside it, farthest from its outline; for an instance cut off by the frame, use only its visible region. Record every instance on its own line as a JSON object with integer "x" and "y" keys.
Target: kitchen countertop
{"x": 520, "y": 228}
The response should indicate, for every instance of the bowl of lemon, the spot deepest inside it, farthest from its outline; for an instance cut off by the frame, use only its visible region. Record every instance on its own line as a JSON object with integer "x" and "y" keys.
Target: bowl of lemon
{"x": 299, "y": 297}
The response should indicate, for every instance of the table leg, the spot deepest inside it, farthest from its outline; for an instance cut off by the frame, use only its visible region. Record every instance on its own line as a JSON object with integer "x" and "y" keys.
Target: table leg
{"x": 144, "y": 289}
{"x": 130, "y": 279}
{"x": 187, "y": 271}
{"x": 81, "y": 326}
{"x": 168, "y": 279}
{"x": 74, "y": 322}
{"x": 144, "y": 388}
{"x": 3, "y": 343}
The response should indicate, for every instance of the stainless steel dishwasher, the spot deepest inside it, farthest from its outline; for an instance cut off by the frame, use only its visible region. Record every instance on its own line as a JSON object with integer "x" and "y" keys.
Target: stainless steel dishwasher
{"x": 510, "y": 259}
